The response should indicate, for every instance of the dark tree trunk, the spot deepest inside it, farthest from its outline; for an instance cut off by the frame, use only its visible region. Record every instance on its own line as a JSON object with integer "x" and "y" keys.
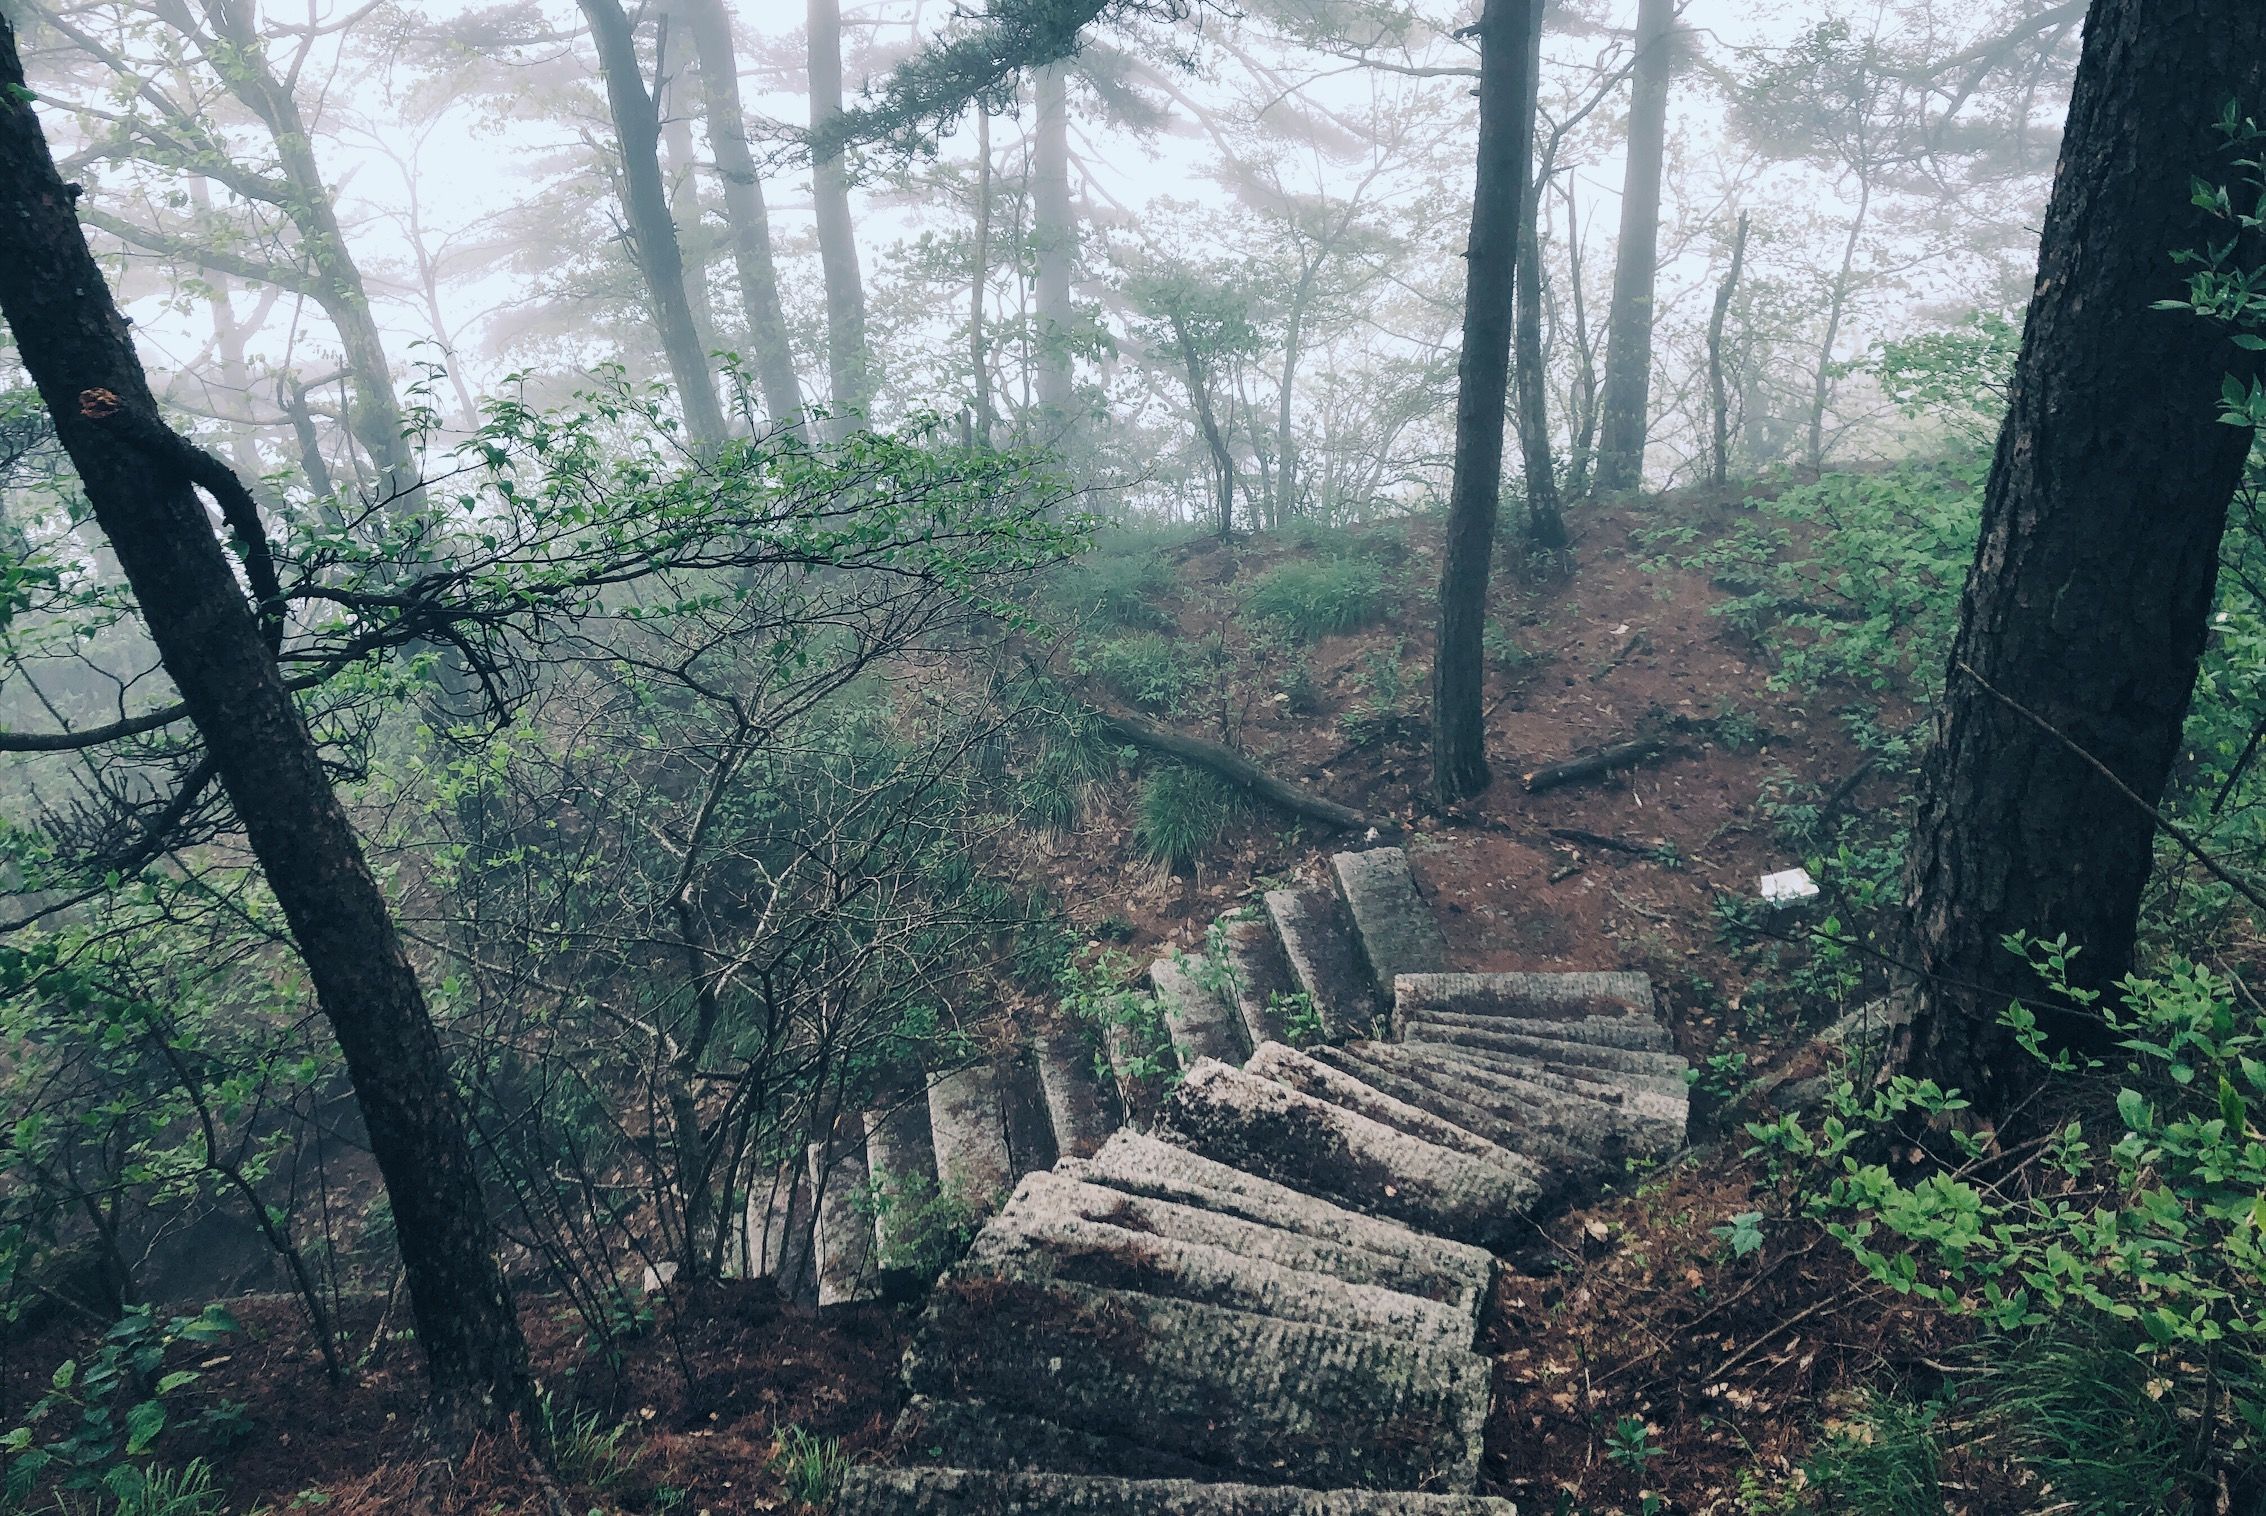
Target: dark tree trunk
{"x": 1056, "y": 240}
{"x": 1628, "y": 337}
{"x": 846, "y": 361}
{"x": 1584, "y": 420}
{"x": 1207, "y": 422}
{"x": 653, "y": 232}
{"x": 979, "y": 286}
{"x": 137, "y": 476}
{"x": 744, "y": 210}
{"x": 1459, "y": 728}
{"x": 2093, "y": 579}
{"x": 1718, "y": 391}
{"x": 1545, "y": 523}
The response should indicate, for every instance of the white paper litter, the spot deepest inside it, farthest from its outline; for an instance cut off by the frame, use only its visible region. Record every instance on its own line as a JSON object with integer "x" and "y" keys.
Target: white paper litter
{"x": 1788, "y": 887}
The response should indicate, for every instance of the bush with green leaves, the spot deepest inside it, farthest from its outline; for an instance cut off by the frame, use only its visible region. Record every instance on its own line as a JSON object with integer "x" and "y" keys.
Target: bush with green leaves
{"x": 1182, "y": 814}
{"x": 1124, "y": 581}
{"x": 1317, "y": 598}
{"x": 2129, "y": 1240}
{"x": 1148, "y": 669}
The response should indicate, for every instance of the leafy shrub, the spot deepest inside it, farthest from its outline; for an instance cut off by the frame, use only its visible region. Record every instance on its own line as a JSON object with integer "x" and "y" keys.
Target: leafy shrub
{"x": 1888, "y": 1463}
{"x": 929, "y": 1224}
{"x": 1319, "y": 599}
{"x": 1181, "y": 814}
{"x": 1121, "y": 583}
{"x": 588, "y": 1451}
{"x": 93, "y": 1427}
{"x": 1145, "y": 668}
{"x": 1099, "y": 996}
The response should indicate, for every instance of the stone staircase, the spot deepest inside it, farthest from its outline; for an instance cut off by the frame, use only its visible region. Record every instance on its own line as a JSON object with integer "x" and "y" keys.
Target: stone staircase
{"x": 1257, "y": 1295}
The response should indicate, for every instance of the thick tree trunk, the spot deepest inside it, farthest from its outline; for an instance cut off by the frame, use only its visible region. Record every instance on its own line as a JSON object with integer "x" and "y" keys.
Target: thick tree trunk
{"x": 1459, "y": 728}
{"x": 1545, "y": 523}
{"x": 1718, "y": 390}
{"x": 846, "y": 359}
{"x": 1055, "y": 240}
{"x": 1628, "y": 337}
{"x": 137, "y": 476}
{"x": 2093, "y": 579}
{"x": 744, "y": 210}
{"x": 653, "y": 233}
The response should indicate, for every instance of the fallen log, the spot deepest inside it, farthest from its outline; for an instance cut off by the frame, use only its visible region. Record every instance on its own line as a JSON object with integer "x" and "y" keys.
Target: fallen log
{"x": 1604, "y": 761}
{"x": 1608, "y": 844}
{"x": 1231, "y": 766}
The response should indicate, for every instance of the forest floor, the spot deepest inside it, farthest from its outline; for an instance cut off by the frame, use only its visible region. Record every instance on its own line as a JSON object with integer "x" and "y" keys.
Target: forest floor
{"x": 1643, "y": 1365}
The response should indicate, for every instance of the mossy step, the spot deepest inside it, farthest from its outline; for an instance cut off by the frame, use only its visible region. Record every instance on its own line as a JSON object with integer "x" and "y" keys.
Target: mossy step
{"x": 1616, "y": 996}
{"x": 1081, "y": 1108}
{"x": 1279, "y": 1133}
{"x": 1145, "y": 1166}
{"x": 970, "y": 1492}
{"x": 1458, "y": 1291}
{"x": 1317, "y": 939}
{"x": 1260, "y": 978}
{"x": 1038, "y": 1243}
{"x": 975, "y": 1434}
{"x": 1633, "y": 1067}
{"x": 1245, "y": 1396}
{"x": 1395, "y": 929}
{"x": 1202, "y": 1022}
{"x": 1645, "y": 1116}
{"x": 1569, "y": 1151}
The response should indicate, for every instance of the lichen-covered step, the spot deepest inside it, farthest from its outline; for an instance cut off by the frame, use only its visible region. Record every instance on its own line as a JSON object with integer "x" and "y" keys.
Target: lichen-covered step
{"x": 1041, "y": 1241}
{"x": 1541, "y": 997}
{"x": 1259, "y": 978}
{"x": 1633, "y": 1067}
{"x": 1023, "y": 1113}
{"x": 1643, "y": 1115}
{"x": 969, "y": 1132}
{"x": 1245, "y": 1396}
{"x": 1082, "y": 1109}
{"x": 975, "y": 1434}
{"x": 1457, "y": 1289}
{"x": 901, "y": 1167}
{"x": 969, "y": 1492}
{"x": 1317, "y": 940}
{"x": 844, "y": 1240}
{"x": 1340, "y": 1155}
{"x": 1309, "y": 1076}
{"x": 1574, "y": 1139}
{"x": 1396, "y": 930}
{"x": 1202, "y": 1022}
{"x": 778, "y": 1226}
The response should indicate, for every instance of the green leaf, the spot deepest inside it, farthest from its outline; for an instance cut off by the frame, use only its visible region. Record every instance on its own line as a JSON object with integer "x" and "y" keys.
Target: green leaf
{"x": 143, "y": 1423}
{"x": 66, "y": 1374}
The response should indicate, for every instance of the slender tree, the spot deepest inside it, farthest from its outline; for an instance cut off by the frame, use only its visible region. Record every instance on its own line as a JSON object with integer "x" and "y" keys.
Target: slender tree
{"x": 846, "y": 360}
{"x": 1459, "y": 730}
{"x": 1628, "y": 341}
{"x": 1545, "y": 523}
{"x": 744, "y": 210}
{"x": 141, "y": 479}
{"x": 979, "y": 287}
{"x": 636, "y": 113}
{"x": 1717, "y": 387}
{"x": 1055, "y": 237}
{"x": 2085, "y": 612}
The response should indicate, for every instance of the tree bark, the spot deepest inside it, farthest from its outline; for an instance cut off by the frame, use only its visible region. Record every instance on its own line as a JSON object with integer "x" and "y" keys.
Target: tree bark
{"x": 1581, "y": 454}
{"x": 979, "y": 286}
{"x": 1055, "y": 239}
{"x": 2093, "y": 579}
{"x": 679, "y": 164}
{"x": 1628, "y": 339}
{"x": 1459, "y": 727}
{"x": 1545, "y": 523}
{"x": 138, "y": 478}
{"x": 653, "y": 232}
{"x": 1207, "y": 422}
{"x": 744, "y": 210}
{"x": 846, "y": 358}
{"x": 1836, "y": 309}
{"x": 1718, "y": 392}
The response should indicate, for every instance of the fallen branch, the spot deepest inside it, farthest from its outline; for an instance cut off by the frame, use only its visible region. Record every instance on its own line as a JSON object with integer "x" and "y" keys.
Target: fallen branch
{"x": 1606, "y": 760}
{"x": 1609, "y": 844}
{"x": 1231, "y": 766}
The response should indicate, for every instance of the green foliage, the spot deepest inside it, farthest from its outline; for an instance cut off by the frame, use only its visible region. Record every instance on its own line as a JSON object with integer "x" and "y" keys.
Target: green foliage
{"x": 1182, "y": 814}
{"x": 1628, "y": 1442}
{"x": 1301, "y": 1023}
{"x": 94, "y": 1425}
{"x": 1957, "y": 376}
{"x": 1099, "y": 995}
{"x": 1124, "y": 582}
{"x": 1313, "y": 599}
{"x": 1146, "y": 668}
{"x": 811, "y": 1467}
{"x": 1887, "y": 1462}
{"x": 588, "y": 1451}
{"x": 929, "y": 1224}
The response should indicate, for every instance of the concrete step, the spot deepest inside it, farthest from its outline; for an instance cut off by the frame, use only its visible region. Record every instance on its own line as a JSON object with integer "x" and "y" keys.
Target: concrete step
{"x": 1081, "y": 1108}
{"x": 1574, "y": 1140}
{"x": 1260, "y": 977}
{"x": 1633, "y": 1067}
{"x": 974, "y": 1434}
{"x": 1202, "y": 1022}
{"x": 1037, "y": 1240}
{"x": 1143, "y": 1166}
{"x": 1058, "y": 1193}
{"x": 1340, "y": 1155}
{"x": 1623, "y": 1032}
{"x": 844, "y": 1241}
{"x": 1245, "y": 1396}
{"x": 1542, "y": 997}
{"x": 1395, "y": 928}
{"x": 901, "y": 1166}
{"x": 968, "y": 1127}
{"x": 778, "y": 1230}
{"x": 1317, "y": 939}
{"x": 1023, "y": 1113}
{"x": 967, "y": 1492}
{"x": 1645, "y": 1119}
{"x": 1340, "y": 1087}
